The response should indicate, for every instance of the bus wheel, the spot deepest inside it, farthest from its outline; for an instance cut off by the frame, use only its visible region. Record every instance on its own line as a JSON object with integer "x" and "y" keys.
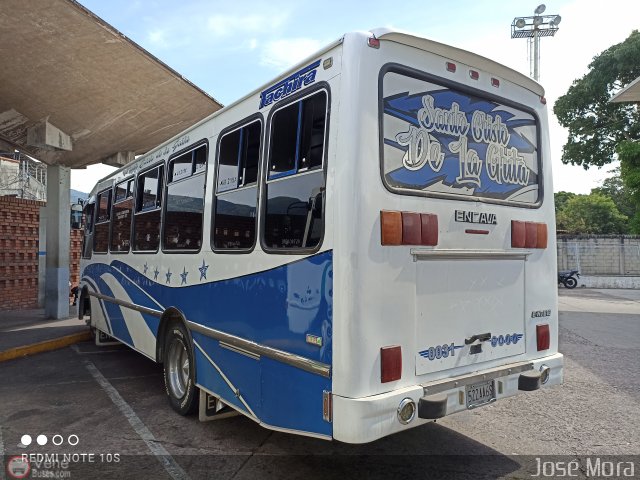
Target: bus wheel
{"x": 179, "y": 371}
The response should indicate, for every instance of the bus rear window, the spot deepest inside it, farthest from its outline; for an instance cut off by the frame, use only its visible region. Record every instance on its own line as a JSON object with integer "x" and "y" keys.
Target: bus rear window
{"x": 440, "y": 139}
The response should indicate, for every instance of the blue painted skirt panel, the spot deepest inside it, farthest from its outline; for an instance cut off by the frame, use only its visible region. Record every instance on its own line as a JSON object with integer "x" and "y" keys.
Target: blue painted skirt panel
{"x": 288, "y": 308}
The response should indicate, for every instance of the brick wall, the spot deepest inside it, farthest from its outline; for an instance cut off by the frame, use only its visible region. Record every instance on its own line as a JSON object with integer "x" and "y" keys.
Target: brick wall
{"x": 600, "y": 254}
{"x": 19, "y": 253}
{"x": 75, "y": 250}
{"x": 19, "y": 247}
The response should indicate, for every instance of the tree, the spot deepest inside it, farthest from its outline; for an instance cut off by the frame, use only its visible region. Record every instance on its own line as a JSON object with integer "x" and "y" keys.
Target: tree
{"x": 561, "y": 198}
{"x": 629, "y": 155}
{"x": 614, "y": 188}
{"x": 593, "y": 213}
{"x": 596, "y": 126}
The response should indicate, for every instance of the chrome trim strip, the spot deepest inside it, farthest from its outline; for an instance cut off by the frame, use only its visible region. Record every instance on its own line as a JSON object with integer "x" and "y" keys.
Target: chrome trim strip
{"x": 424, "y": 254}
{"x": 287, "y": 358}
{"x": 122, "y": 303}
{"x": 241, "y": 351}
{"x": 464, "y": 380}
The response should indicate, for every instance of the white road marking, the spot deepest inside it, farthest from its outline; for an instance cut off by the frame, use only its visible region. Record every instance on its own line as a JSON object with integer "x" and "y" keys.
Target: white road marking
{"x": 166, "y": 460}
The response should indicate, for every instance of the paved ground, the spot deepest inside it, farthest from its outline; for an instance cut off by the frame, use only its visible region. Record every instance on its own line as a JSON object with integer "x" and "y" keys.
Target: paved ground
{"x": 113, "y": 400}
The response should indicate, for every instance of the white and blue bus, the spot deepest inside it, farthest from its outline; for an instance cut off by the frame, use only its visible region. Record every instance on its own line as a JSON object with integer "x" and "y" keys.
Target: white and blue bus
{"x": 363, "y": 245}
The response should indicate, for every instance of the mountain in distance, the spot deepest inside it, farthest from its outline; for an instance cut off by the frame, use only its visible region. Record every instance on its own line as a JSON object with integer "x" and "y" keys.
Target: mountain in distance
{"x": 77, "y": 194}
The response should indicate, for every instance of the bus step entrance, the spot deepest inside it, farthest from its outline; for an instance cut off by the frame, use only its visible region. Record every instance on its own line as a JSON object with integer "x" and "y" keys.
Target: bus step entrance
{"x": 212, "y": 408}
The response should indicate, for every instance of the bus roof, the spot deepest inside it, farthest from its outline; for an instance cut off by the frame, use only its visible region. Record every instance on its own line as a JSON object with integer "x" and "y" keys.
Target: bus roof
{"x": 463, "y": 56}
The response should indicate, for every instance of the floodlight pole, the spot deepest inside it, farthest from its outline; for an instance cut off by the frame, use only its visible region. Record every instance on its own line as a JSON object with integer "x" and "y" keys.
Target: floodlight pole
{"x": 536, "y": 55}
{"x": 532, "y": 28}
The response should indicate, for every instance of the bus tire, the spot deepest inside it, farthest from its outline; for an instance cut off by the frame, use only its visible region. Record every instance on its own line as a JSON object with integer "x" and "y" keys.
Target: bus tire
{"x": 179, "y": 370}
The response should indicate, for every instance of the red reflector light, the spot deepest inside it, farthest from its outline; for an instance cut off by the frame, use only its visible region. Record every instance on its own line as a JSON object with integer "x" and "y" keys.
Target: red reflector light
{"x": 495, "y": 82}
{"x": 390, "y": 363}
{"x": 411, "y": 228}
{"x": 543, "y": 337}
{"x": 473, "y": 231}
{"x": 474, "y": 75}
{"x": 451, "y": 67}
{"x": 543, "y": 100}
{"x": 390, "y": 228}
{"x": 373, "y": 42}
{"x": 429, "y": 229}
{"x": 528, "y": 234}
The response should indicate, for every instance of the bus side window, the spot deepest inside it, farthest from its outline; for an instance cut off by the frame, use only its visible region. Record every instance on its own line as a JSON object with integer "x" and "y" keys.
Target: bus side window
{"x": 294, "y": 211}
{"x": 101, "y": 236}
{"x": 121, "y": 218}
{"x": 236, "y": 196}
{"x": 87, "y": 216}
{"x": 184, "y": 208}
{"x": 148, "y": 202}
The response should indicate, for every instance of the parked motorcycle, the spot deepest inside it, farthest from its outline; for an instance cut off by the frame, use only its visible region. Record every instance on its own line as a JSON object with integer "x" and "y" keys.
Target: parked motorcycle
{"x": 569, "y": 278}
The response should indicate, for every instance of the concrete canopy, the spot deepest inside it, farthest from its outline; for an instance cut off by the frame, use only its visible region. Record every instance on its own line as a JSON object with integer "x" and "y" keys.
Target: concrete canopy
{"x": 74, "y": 91}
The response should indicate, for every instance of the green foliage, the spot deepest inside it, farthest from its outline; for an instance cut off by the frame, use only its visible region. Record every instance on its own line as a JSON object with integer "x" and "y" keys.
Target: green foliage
{"x": 629, "y": 155}
{"x": 614, "y": 188}
{"x": 595, "y": 125}
{"x": 593, "y": 213}
{"x": 561, "y": 199}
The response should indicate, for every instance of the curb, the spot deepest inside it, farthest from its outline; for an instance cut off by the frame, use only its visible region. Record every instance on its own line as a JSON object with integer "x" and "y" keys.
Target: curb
{"x": 45, "y": 346}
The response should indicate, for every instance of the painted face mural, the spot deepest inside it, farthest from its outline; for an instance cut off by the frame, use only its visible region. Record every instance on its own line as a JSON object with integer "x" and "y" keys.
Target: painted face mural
{"x": 440, "y": 140}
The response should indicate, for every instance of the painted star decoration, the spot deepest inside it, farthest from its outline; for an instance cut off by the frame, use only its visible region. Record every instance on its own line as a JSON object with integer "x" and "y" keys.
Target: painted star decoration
{"x": 168, "y": 274}
{"x": 203, "y": 271}
{"x": 145, "y": 268}
{"x": 156, "y": 272}
{"x": 183, "y": 275}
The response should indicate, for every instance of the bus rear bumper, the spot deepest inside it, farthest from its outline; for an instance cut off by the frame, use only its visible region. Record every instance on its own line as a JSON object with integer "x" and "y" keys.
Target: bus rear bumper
{"x": 362, "y": 420}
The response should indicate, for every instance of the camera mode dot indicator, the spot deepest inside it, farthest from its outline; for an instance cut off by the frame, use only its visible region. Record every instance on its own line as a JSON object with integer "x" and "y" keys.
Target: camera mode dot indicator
{"x": 25, "y": 440}
{"x": 42, "y": 439}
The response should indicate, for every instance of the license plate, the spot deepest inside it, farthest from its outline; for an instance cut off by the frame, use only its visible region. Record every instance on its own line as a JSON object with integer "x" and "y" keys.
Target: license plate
{"x": 480, "y": 393}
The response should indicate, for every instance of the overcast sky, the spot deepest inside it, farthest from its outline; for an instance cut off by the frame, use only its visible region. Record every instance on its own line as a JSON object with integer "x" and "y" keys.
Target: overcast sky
{"x": 229, "y": 48}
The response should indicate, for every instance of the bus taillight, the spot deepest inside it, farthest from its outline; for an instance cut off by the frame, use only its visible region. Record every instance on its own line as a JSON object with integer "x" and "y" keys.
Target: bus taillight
{"x": 408, "y": 228}
{"x": 390, "y": 363}
{"x": 528, "y": 234}
{"x": 543, "y": 337}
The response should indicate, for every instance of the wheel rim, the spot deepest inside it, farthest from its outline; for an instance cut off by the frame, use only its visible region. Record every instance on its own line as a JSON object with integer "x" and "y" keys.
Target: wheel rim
{"x": 178, "y": 364}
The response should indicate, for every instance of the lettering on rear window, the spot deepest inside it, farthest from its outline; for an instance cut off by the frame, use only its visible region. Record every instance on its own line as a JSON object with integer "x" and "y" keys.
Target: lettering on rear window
{"x": 449, "y": 140}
